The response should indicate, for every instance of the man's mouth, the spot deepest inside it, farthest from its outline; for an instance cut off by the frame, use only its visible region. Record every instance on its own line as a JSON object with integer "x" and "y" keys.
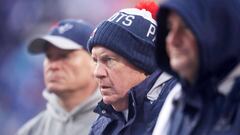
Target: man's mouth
{"x": 104, "y": 87}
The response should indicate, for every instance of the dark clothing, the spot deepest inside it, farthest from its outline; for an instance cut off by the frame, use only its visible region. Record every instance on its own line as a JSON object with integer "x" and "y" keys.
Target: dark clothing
{"x": 202, "y": 109}
{"x": 142, "y": 111}
{"x": 217, "y": 115}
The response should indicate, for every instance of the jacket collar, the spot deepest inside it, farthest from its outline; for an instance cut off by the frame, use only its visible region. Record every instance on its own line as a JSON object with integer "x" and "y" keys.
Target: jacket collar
{"x": 108, "y": 111}
{"x": 139, "y": 92}
{"x": 156, "y": 90}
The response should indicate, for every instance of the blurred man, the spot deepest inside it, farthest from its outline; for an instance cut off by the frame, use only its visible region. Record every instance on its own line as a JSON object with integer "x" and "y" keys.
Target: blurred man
{"x": 70, "y": 85}
{"x": 133, "y": 89}
{"x": 198, "y": 42}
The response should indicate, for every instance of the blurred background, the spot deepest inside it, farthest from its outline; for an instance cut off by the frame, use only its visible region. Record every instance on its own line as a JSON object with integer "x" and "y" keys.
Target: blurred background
{"x": 21, "y": 75}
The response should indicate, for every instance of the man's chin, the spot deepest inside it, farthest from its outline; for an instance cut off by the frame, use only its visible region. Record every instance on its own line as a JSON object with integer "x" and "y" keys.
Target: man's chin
{"x": 54, "y": 89}
{"x": 106, "y": 101}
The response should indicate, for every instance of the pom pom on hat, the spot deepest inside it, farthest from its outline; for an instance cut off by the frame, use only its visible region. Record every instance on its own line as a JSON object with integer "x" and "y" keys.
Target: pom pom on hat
{"x": 149, "y": 5}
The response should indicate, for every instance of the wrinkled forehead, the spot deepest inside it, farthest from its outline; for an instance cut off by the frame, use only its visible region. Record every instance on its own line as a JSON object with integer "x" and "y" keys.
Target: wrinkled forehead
{"x": 99, "y": 51}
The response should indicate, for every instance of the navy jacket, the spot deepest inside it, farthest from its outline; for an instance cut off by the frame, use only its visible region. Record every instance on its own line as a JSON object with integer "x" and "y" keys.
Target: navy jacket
{"x": 202, "y": 109}
{"x": 142, "y": 111}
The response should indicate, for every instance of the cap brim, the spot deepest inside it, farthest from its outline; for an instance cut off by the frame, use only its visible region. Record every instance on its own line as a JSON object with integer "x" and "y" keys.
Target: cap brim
{"x": 38, "y": 45}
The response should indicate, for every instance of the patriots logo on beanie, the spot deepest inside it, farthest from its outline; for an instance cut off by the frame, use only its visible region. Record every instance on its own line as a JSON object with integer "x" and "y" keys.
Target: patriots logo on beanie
{"x": 139, "y": 22}
{"x": 130, "y": 33}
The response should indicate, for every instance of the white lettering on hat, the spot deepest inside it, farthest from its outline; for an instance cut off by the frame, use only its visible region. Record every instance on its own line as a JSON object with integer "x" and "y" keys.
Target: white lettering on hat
{"x": 120, "y": 17}
{"x": 123, "y": 18}
{"x": 151, "y": 31}
{"x": 113, "y": 17}
{"x": 65, "y": 28}
{"x": 128, "y": 20}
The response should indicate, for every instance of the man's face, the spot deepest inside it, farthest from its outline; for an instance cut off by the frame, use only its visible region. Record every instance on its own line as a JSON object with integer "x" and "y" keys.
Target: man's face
{"x": 67, "y": 70}
{"x": 181, "y": 48}
{"x": 115, "y": 75}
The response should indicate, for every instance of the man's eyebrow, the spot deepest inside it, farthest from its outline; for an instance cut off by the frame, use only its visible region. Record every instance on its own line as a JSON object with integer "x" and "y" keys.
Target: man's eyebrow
{"x": 107, "y": 55}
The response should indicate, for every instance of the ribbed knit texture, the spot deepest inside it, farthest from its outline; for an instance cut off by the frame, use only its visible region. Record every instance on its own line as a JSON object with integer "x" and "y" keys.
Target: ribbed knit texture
{"x": 137, "y": 51}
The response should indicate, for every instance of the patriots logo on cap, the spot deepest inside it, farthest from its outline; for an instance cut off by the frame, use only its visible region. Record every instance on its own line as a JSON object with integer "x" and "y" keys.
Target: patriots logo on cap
{"x": 66, "y": 27}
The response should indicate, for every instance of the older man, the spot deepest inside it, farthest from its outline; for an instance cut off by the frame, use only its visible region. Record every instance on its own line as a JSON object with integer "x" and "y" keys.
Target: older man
{"x": 132, "y": 88}
{"x": 71, "y": 90}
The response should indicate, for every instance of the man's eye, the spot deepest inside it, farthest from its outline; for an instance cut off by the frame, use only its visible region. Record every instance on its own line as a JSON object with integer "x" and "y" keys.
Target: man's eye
{"x": 64, "y": 55}
{"x": 48, "y": 55}
{"x": 56, "y": 56}
{"x": 107, "y": 59}
{"x": 94, "y": 60}
{"x": 169, "y": 26}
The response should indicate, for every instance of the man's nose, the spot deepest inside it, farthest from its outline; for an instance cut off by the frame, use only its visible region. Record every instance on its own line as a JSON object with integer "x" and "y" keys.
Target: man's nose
{"x": 173, "y": 38}
{"x": 53, "y": 64}
{"x": 100, "y": 71}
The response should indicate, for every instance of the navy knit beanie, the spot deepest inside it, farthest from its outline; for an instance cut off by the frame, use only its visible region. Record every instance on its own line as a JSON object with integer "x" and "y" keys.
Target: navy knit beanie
{"x": 130, "y": 33}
